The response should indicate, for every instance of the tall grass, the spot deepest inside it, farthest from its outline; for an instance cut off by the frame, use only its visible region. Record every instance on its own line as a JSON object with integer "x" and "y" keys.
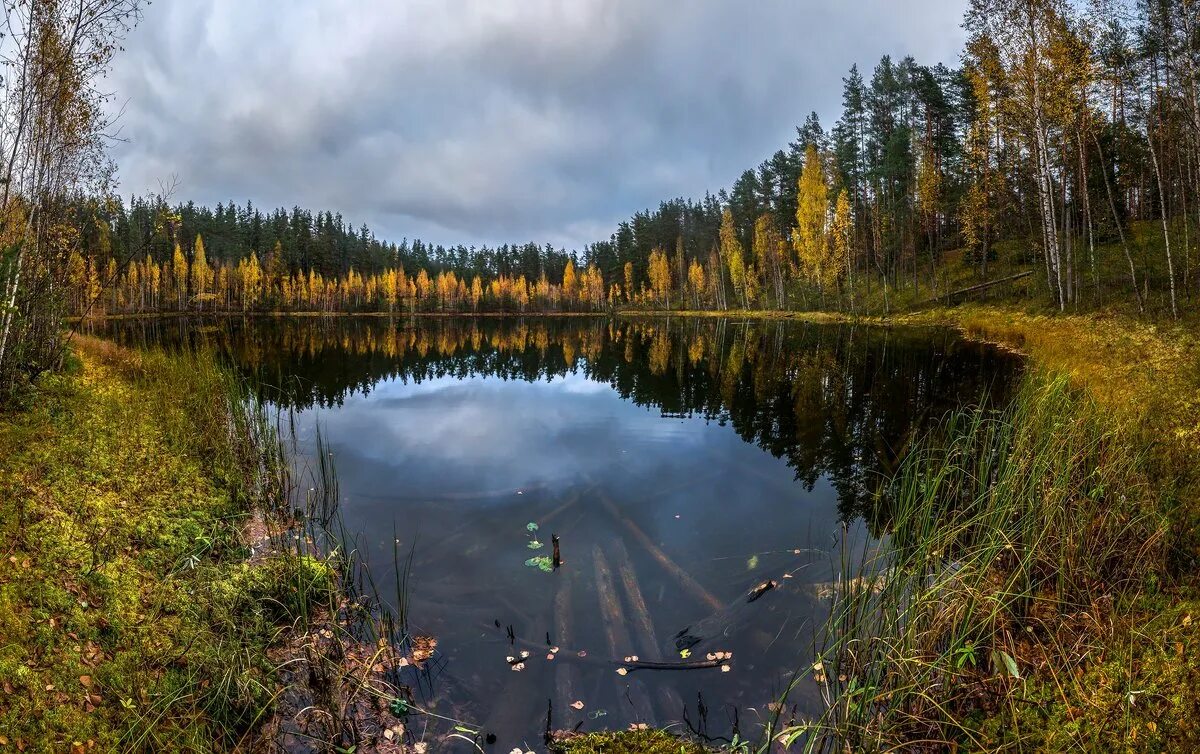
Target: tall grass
{"x": 1011, "y": 534}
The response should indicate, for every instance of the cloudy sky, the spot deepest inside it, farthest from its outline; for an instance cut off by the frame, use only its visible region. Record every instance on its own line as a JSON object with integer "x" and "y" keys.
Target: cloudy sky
{"x": 484, "y": 121}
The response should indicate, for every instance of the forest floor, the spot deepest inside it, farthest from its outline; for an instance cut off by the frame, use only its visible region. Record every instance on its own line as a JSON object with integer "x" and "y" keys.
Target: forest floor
{"x": 130, "y": 616}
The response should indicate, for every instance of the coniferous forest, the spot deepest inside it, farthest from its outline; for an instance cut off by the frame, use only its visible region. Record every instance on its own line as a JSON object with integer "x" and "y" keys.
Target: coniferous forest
{"x": 1065, "y": 141}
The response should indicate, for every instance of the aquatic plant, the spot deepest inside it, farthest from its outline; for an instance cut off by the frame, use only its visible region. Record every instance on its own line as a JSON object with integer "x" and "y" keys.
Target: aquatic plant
{"x": 1010, "y": 535}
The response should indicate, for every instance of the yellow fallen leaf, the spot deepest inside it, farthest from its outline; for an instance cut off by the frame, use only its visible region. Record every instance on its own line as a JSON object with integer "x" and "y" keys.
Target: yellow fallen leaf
{"x": 622, "y": 671}
{"x": 577, "y": 704}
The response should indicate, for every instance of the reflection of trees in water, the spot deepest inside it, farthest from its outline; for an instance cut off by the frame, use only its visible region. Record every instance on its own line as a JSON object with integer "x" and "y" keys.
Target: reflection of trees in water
{"x": 838, "y": 401}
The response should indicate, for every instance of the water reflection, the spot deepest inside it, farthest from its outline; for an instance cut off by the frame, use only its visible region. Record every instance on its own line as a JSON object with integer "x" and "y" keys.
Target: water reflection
{"x": 839, "y": 402}
{"x": 640, "y": 443}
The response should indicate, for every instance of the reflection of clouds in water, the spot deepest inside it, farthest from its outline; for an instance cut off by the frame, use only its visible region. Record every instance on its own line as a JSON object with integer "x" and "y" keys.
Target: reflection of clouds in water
{"x": 451, "y": 435}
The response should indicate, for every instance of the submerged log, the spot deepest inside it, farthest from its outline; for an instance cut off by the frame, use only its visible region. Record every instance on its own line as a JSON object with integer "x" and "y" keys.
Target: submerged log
{"x": 566, "y": 675}
{"x": 567, "y": 504}
{"x": 739, "y": 614}
{"x": 689, "y": 584}
{"x": 619, "y": 642}
{"x": 646, "y": 638}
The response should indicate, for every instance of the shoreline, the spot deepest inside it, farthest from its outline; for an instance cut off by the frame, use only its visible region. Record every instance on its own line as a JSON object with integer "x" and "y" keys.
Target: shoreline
{"x": 1141, "y": 373}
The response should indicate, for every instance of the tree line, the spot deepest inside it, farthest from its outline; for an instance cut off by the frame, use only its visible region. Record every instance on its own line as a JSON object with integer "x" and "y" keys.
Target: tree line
{"x": 1066, "y": 141}
{"x": 1064, "y": 125}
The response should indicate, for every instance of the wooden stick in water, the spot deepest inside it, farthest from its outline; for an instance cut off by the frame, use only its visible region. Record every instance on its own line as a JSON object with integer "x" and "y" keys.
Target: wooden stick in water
{"x": 566, "y": 675}
{"x": 646, "y": 639}
{"x": 619, "y": 643}
{"x": 690, "y": 585}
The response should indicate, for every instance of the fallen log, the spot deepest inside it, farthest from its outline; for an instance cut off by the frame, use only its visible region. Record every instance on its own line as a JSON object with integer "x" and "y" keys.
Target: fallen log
{"x": 738, "y": 614}
{"x": 689, "y": 584}
{"x": 646, "y": 638}
{"x": 978, "y": 287}
{"x": 566, "y": 505}
{"x": 566, "y": 675}
{"x": 618, "y": 638}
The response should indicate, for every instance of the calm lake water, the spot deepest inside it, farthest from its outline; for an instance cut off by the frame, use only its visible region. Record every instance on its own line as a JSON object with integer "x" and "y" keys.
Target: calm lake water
{"x": 681, "y": 463}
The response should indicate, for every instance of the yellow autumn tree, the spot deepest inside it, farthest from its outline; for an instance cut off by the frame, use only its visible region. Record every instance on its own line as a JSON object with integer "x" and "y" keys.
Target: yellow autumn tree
{"x": 812, "y": 214}
{"x": 202, "y": 274}
{"x": 570, "y": 284}
{"x": 476, "y": 292}
{"x": 840, "y": 241}
{"x": 179, "y": 273}
{"x": 660, "y": 276}
{"x": 696, "y": 281}
{"x": 734, "y": 256}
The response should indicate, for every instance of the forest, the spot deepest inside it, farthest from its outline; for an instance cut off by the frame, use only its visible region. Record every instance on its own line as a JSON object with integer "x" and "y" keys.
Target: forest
{"x": 935, "y": 359}
{"x": 1065, "y": 141}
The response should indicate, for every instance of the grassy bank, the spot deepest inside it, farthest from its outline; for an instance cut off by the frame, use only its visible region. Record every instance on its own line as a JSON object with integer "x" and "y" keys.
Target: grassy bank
{"x": 1024, "y": 551}
{"x": 130, "y": 618}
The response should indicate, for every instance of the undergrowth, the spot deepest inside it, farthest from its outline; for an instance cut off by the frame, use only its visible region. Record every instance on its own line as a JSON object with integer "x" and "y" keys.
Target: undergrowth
{"x": 1016, "y": 541}
{"x": 130, "y": 619}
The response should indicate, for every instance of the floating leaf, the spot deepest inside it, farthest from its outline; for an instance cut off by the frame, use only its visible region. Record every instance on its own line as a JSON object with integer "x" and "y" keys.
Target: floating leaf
{"x": 752, "y": 563}
{"x": 541, "y": 562}
{"x": 622, "y": 671}
{"x": 577, "y": 704}
{"x": 685, "y": 653}
{"x": 531, "y": 526}
{"x": 534, "y": 544}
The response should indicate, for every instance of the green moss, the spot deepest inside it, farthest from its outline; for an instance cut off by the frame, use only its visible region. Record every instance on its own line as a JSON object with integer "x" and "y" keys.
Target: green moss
{"x": 626, "y": 742}
{"x": 128, "y": 615}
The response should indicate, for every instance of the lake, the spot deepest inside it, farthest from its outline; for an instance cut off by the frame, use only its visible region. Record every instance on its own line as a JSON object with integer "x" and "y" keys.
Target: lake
{"x": 703, "y": 476}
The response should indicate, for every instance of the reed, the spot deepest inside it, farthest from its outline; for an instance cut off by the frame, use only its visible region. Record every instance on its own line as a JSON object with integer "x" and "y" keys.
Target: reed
{"x": 1010, "y": 534}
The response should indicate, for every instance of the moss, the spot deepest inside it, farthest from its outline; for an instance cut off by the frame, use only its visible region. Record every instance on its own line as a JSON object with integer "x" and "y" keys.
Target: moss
{"x": 1140, "y": 690}
{"x": 128, "y": 617}
{"x": 626, "y": 742}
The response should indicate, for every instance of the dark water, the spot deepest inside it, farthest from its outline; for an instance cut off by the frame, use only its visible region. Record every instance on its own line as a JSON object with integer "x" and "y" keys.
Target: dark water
{"x": 681, "y": 463}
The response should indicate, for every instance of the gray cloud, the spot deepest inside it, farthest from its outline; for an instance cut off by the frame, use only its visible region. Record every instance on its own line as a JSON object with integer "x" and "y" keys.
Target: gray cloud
{"x": 483, "y": 121}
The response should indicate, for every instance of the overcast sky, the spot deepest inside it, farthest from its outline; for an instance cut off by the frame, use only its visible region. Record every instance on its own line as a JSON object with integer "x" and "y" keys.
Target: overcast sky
{"x": 491, "y": 120}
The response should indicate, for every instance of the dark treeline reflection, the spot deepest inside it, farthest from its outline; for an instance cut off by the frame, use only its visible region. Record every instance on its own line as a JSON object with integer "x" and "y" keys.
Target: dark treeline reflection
{"x": 835, "y": 400}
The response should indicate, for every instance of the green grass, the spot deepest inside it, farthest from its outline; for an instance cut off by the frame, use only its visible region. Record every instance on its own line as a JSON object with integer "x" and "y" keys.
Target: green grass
{"x": 992, "y": 611}
{"x": 129, "y": 617}
{"x": 648, "y": 741}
